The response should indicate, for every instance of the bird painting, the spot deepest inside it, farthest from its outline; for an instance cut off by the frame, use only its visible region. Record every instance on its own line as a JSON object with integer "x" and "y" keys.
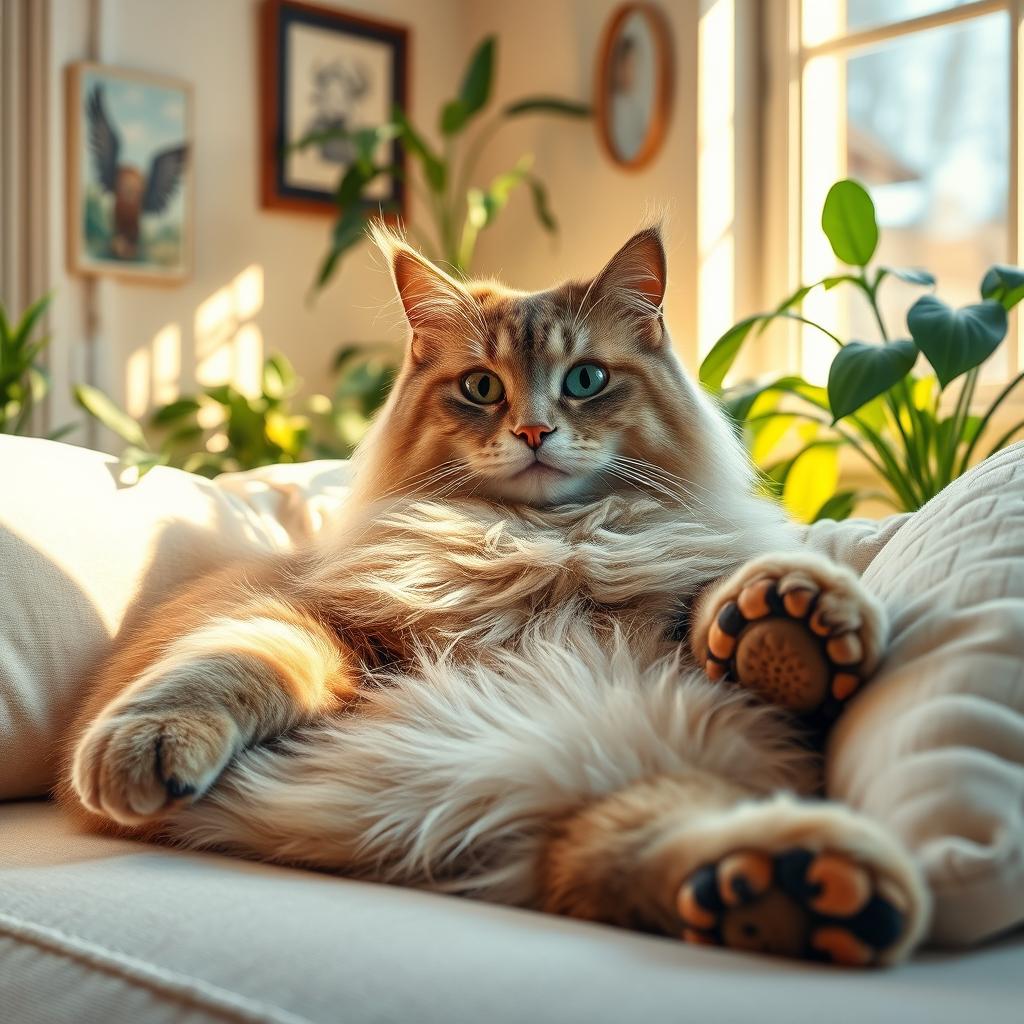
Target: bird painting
{"x": 136, "y": 192}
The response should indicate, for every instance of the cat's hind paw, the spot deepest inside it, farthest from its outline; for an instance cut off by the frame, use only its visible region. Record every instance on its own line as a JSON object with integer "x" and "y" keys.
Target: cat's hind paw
{"x": 813, "y": 905}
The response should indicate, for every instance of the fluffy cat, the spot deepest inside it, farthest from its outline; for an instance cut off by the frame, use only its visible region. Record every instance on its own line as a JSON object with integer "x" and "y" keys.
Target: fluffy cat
{"x": 491, "y": 677}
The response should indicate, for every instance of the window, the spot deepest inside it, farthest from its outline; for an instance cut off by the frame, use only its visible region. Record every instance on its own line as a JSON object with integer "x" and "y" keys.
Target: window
{"x": 916, "y": 100}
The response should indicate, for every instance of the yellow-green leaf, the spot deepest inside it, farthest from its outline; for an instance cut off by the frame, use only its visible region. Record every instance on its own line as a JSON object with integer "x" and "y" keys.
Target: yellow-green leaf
{"x": 811, "y": 482}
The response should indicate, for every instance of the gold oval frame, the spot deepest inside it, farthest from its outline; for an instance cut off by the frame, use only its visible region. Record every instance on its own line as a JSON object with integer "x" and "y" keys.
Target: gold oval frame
{"x": 664, "y": 73}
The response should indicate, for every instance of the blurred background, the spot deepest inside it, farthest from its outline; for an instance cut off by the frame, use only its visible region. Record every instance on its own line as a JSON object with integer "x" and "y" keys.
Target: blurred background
{"x": 731, "y": 119}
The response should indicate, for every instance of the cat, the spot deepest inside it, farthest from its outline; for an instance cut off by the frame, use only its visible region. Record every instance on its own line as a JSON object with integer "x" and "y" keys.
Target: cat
{"x": 556, "y": 652}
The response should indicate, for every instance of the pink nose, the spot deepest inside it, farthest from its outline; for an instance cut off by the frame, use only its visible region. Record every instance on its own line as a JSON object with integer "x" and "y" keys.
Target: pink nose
{"x": 533, "y": 434}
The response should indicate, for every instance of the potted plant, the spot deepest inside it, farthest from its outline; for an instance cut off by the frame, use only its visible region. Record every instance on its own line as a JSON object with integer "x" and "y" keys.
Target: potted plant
{"x": 458, "y": 208}
{"x": 904, "y": 403}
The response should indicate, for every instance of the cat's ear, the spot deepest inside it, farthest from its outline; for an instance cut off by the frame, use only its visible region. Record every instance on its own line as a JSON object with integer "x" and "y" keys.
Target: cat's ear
{"x": 634, "y": 278}
{"x": 436, "y": 305}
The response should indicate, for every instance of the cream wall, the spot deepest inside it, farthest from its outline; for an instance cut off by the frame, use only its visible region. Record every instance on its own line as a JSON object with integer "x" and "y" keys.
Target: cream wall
{"x": 212, "y": 44}
{"x": 148, "y": 340}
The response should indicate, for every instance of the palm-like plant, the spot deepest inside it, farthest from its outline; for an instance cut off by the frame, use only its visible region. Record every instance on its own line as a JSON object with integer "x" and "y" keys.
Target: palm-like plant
{"x": 23, "y": 380}
{"x": 457, "y": 206}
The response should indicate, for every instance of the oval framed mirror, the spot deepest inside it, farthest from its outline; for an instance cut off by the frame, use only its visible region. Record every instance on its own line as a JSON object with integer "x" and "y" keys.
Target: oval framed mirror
{"x": 634, "y": 84}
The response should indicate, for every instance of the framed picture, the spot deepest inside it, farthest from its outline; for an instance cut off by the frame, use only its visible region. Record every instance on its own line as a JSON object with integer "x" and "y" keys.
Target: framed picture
{"x": 129, "y": 173}
{"x": 634, "y": 84}
{"x": 324, "y": 70}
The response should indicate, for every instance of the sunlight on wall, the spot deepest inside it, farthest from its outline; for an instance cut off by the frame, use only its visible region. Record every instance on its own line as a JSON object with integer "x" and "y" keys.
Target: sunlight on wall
{"x": 228, "y": 346}
{"x": 167, "y": 364}
{"x": 137, "y": 382}
{"x": 716, "y": 208}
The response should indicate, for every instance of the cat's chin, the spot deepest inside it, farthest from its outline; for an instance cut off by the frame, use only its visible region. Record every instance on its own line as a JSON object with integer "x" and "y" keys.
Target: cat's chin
{"x": 539, "y": 485}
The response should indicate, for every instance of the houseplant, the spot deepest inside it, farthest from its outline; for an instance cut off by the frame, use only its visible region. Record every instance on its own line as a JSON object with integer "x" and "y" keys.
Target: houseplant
{"x": 24, "y": 381}
{"x": 457, "y": 207}
{"x": 916, "y": 431}
{"x": 219, "y": 429}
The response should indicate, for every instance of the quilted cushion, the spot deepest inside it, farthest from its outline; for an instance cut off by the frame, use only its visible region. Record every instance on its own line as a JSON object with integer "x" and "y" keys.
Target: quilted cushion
{"x": 935, "y": 745}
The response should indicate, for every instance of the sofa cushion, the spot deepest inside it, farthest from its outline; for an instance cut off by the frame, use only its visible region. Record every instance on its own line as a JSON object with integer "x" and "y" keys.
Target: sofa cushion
{"x": 934, "y": 746}
{"x": 95, "y": 930}
{"x": 79, "y": 550}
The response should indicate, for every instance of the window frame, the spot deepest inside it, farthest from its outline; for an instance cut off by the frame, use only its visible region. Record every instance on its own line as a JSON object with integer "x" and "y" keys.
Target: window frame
{"x": 784, "y": 59}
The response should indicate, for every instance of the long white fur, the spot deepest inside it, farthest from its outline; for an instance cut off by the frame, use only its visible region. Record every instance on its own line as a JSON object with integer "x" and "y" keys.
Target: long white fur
{"x": 450, "y": 775}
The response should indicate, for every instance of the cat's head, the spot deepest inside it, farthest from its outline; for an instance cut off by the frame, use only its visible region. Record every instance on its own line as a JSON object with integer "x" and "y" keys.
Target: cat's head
{"x": 541, "y": 398}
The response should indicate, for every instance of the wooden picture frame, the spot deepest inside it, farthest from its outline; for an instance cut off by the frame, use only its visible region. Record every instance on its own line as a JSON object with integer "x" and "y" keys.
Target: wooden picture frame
{"x": 633, "y": 91}
{"x": 355, "y": 71}
{"x": 129, "y": 174}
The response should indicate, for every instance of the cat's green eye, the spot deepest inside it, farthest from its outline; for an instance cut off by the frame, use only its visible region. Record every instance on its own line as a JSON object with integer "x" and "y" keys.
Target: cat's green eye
{"x": 585, "y": 380}
{"x": 482, "y": 387}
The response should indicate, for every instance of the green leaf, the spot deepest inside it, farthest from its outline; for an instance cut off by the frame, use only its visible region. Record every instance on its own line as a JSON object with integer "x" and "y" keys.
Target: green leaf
{"x": 62, "y": 431}
{"x": 839, "y": 506}
{"x": 19, "y": 334}
{"x": 97, "y": 404}
{"x": 475, "y": 90}
{"x": 912, "y": 275}
{"x": 279, "y": 379}
{"x": 955, "y": 341}
{"x": 848, "y": 220}
{"x": 548, "y": 105}
{"x": 348, "y": 231}
{"x": 135, "y": 463}
{"x": 811, "y": 480}
{"x": 174, "y": 411}
{"x": 434, "y": 169}
{"x": 540, "y": 204}
{"x": 860, "y": 372}
{"x": 1004, "y": 285}
{"x": 718, "y": 362}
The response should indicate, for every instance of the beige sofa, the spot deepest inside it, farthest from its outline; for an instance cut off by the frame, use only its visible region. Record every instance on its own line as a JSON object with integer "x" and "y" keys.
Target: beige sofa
{"x": 104, "y": 930}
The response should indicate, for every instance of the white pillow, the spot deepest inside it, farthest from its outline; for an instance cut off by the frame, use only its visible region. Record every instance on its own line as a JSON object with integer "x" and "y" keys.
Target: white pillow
{"x": 934, "y": 746}
{"x": 78, "y": 551}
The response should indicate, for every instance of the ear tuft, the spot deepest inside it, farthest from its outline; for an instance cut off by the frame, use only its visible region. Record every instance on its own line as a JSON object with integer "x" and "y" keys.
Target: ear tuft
{"x": 638, "y": 272}
{"x": 435, "y": 304}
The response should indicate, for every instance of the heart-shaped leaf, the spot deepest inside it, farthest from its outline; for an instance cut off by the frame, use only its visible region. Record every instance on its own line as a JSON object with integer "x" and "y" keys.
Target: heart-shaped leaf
{"x": 848, "y": 220}
{"x": 860, "y": 372}
{"x": 1004, "y": 285}
{"x": 956, "y": 340}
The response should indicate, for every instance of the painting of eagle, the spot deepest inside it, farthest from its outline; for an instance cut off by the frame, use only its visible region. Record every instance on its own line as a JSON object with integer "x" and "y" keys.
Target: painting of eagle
{"x": 132, "y": 171}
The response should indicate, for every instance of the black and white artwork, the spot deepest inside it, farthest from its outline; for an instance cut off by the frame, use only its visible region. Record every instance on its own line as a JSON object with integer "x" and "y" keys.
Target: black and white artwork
{"x": 335, "y": 73}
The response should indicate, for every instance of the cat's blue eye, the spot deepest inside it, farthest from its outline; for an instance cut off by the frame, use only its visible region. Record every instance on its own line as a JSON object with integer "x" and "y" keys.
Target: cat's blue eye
{"x": 482, "y": 387}
{"x": 585, "y": 380}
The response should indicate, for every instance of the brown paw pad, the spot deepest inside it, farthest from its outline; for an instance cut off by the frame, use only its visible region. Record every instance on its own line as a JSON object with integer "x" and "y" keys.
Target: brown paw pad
{"x": 778, "y": 647}
{"x": 813, "y": 906}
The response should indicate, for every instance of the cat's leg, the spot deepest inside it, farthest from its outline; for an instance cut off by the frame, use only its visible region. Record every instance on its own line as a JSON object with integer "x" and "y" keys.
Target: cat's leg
{"x": 798, "y": 630}
{"x": 698, "y": 859}
{"x": 194, "y": 688}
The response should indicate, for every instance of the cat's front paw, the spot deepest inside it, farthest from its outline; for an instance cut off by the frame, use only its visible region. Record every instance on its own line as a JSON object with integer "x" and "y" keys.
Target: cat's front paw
{"x": 797, "y": 630}
{"x": 135, "y": 766}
